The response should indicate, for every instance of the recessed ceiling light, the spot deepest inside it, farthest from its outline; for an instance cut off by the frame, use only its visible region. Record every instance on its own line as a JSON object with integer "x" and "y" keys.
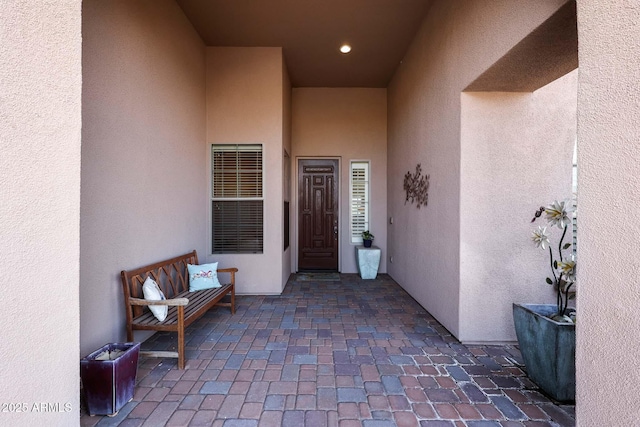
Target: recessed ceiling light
{"x": 345, "y": 48}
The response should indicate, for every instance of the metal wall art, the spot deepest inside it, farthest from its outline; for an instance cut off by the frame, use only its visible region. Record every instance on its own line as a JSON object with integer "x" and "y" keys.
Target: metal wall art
{"x": 417, "y": 187}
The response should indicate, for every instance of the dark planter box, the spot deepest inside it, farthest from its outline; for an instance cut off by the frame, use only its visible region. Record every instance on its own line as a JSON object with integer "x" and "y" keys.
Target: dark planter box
{"x": 109, "y": 384}
{"x": 367, "y": 243}
{"x": 548, "y": 349}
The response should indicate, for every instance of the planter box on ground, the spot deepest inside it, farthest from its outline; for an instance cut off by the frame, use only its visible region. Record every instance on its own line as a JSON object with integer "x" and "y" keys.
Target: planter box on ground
{"x": 109, "y": 377}
{"x": 548, "y": 349}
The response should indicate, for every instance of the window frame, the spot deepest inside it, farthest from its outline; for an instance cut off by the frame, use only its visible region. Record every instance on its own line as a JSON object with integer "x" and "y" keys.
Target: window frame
{"x": 258, "y": 196}
{"x": 355, "y": 233}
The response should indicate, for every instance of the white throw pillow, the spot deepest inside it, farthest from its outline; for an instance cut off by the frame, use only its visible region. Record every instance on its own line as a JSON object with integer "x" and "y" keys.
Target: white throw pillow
{"x": 152, "y": 292}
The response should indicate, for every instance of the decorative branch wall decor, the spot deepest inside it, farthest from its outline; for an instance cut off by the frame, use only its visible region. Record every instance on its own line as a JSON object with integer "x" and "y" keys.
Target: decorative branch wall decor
{"x": 417, "y": 187}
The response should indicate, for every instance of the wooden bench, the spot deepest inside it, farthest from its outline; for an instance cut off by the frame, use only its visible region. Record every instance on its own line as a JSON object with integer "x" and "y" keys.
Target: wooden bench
{"x": 184, "y": 307}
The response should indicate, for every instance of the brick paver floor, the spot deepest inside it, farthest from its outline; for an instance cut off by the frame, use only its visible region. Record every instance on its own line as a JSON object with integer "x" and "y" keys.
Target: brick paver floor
{"x": 337, "y": 353}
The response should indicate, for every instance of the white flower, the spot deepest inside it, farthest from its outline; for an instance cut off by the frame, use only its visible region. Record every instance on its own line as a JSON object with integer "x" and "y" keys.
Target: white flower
{"x": 558, "y": 214}
{"x": 540, "y": 237}
{"x": 568, "y": 269}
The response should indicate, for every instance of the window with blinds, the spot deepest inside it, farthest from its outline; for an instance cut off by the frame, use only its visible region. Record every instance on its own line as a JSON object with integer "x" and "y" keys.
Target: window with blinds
{"x": 359, "y": 198}
{"x": 237, "y": 199}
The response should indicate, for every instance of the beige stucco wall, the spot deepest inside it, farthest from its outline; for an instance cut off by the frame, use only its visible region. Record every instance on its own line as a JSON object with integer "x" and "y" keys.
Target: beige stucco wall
{"x": 457, "y": 42}
{"x": 40, "y": 122}
{"x": 349, "y": 124}
{"x": 245, "y": 106}
{"x": 608, "y": 348}
{"x": 287, "y": 260}
{"x": 516, "y": 155}
{"x": 144, "y": 180}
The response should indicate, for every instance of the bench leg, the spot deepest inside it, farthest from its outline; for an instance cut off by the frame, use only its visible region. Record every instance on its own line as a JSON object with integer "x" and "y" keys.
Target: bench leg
{"x": 233, "y": 299}
{"x": 129, "y": 332}
{"x": 181, "y": 361}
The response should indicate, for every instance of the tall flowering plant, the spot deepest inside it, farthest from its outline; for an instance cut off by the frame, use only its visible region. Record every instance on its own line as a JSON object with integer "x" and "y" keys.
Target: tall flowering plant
{"x": 563, "y": 267}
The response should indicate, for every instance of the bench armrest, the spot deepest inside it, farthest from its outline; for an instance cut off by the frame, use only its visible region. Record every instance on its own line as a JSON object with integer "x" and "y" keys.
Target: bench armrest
{"x": 227, "y": 270}
{"x": 170, "y": 302}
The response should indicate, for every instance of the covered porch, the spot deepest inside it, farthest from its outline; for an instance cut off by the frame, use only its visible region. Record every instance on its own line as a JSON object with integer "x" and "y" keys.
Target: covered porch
{"x": 109, "y": 112}
{"x": 350, "y": 352}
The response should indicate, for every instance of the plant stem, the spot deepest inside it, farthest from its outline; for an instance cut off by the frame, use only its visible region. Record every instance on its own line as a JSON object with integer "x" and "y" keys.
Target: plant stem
{"x": 556, "y": 282}
{"x": 553, "y": 270}
{"x": 562, "y": 306}
{"x": 564, "y": 232}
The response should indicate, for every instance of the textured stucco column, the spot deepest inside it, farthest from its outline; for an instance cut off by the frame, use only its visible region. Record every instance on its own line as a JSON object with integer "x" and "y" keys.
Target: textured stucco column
{"x": 246, "y": 105}
{"x": 458, "y": 41}
{"x": 40, "y": 122}
{"x": 516, "y": 156}
{"x": 608, "y": 328}
{"x": 144, "y": 177}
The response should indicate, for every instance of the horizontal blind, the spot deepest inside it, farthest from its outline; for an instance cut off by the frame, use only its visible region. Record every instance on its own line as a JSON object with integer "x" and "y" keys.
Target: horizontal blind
{"x": 237, "y": 226}
{"x": 237, "y": 171}
{"x": 359, "y": 197}
{"x": 236, "y": 203}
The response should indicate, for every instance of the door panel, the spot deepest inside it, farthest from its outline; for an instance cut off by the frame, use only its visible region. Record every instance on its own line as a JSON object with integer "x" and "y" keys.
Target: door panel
{"x": 318, "y": 214}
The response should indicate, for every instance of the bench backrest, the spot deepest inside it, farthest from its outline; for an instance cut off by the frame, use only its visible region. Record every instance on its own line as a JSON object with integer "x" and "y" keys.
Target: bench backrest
{"x": 171, "y": 276}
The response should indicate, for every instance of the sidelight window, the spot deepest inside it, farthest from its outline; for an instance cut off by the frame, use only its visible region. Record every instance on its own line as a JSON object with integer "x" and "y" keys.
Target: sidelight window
{"x": 237, "y": 198}
{"x": 359, "y": 199}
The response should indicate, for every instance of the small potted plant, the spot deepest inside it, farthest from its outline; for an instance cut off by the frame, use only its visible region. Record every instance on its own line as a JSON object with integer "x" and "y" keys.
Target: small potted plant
{"x": 367, "y": 238}
{"x": 546, "y": 332}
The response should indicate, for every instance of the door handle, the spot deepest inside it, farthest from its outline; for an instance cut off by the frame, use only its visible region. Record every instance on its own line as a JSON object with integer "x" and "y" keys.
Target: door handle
{"x": 335, "y": 230}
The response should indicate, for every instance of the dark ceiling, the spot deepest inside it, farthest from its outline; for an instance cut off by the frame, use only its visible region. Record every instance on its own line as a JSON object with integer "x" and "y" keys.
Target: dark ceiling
{"x": 311, "y": 31}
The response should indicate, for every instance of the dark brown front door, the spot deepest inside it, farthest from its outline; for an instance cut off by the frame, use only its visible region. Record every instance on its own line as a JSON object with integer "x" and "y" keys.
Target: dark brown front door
{"x": 318, "y": 214}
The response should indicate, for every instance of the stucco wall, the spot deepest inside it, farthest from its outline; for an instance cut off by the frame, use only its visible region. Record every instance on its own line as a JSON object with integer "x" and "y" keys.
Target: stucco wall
{"x": 456, "y": 43}
{"x": 287, "y": 260}
{"x": 609, "y": 197}
{"x": 144, "y": 180}
{"x": 516, "y": 155}
{"x": 40, "y": 122}
{"x": 245, "y": 106}
{"x": 351, "y": 124}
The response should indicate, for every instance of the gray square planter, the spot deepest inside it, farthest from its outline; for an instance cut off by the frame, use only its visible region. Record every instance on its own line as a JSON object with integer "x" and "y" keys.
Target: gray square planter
{"x": 548, "y": 349}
